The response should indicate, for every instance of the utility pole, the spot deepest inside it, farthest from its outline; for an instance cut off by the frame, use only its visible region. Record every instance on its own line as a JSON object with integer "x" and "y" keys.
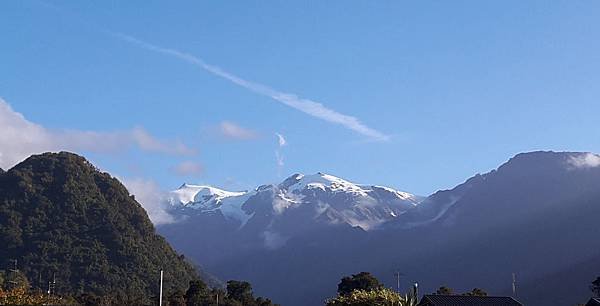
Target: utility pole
{"x": 416, "y": 290}
{"x": 52, "y": 285}
{"x": 398, "y": 274}
{"x": 161, "y": 291}
{"x": 14, "y": 273}
{"x": 514, "y": 284}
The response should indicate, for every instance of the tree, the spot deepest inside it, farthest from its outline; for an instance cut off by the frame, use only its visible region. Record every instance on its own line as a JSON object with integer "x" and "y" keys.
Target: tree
{"x": 240, "y": 291}
{"x": 177, "y": 298}
{"x": 476, "y": 292}
{"x": 196, "y": 294}
{"x": 443, "y": 290}
{"x": 595, "y": 286}
{"x": 378, "y": 296}
{"x": 361, "y": 281}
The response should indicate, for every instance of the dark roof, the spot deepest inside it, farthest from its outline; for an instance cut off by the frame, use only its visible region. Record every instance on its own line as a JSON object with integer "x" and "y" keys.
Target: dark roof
{"x": 466, "y": 300}
{"x": 593, "y": 302}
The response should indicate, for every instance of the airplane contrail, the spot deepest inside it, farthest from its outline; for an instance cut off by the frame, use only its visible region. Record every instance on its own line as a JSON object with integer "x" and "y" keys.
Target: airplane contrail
{"x": 307, "y": 106}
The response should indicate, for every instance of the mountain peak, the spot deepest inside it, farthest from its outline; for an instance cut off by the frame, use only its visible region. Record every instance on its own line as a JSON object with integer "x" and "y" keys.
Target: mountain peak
{"x": 323, "y": 182}
{"x": 50, "y": 160}
{"x": 546, "y": 160}
{"x": 189, "y": 193}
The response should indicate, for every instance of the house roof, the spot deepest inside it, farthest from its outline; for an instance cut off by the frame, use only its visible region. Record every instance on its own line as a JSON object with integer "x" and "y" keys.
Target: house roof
{"x": 466, "y": 300}
{"x": 593, "y": 302}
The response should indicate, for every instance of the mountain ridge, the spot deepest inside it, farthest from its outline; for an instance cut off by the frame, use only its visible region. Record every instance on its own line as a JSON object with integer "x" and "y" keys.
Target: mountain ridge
{"x": 483, "y": 229}
{"x": 292, "y": 192}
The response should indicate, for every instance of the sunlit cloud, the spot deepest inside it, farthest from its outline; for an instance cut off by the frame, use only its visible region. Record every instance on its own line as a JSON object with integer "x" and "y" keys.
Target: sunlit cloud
{"x": 232, "y": 130}
{"x": 151, "y": 197}
{"x": 20, "y": 138}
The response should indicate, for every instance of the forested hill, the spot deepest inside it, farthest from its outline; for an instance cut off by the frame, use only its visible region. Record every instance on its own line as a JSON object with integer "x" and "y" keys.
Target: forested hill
{"x": 59, "y": 215}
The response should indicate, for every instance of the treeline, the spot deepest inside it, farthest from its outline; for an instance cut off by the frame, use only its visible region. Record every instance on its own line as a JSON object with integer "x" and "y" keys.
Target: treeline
{"x": 15, "y": 289}
{"x": 364, "y": 289}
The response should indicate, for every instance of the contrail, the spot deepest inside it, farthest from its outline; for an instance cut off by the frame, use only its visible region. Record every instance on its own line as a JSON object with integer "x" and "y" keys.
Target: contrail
{"x": 307, "y": 106}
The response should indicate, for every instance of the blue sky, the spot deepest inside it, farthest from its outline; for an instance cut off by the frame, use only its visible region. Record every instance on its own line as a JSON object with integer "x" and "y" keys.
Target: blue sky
{"x": 454, "y": 88}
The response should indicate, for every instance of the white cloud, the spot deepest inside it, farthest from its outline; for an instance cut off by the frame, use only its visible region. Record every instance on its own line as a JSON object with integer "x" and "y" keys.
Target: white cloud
{"x": 279, "y": 159}
{"x": 151, "y": 197}
{"x": 282, "y": 202}
{"x": 281, "y": 140}
{"x": 234, "y": 131}
{"x": 585, "y": 160}
{"x": 307, "y": 106}
{"x": 19, "y": 138}
{"x": 187, "y": 168}
{"x": 147, "y": 142}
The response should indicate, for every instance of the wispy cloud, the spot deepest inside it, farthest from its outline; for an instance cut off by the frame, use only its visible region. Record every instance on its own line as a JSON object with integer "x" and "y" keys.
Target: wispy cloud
{"x": 307, "y": 106}
{"x": 151, "y": 197}
{"x": 281, "y": 141}
{"x": 19, "y": 138}
{"x": 147, "y": 142}
{"x": 232, "y": 130}
{"x": 585, "y": 160}
{"x": 188, "y": 168}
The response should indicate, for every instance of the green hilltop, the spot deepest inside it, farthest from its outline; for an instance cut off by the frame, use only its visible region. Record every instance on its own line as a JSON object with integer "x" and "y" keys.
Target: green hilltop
{"x": 61, "y": 217}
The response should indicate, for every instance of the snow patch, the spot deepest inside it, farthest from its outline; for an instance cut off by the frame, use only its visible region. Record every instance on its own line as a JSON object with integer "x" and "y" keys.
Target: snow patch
{"x": 208, "y": 198}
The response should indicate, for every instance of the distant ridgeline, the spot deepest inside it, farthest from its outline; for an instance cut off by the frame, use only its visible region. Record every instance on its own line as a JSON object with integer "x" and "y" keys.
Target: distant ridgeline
{"x": 61, "y": 217}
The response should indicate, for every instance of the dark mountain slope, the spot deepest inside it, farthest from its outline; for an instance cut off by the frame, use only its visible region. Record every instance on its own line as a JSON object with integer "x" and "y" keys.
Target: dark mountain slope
{"x": 60, "y": 216}
{"x": 535, "y": 215}
{"x": 568, "y": 286}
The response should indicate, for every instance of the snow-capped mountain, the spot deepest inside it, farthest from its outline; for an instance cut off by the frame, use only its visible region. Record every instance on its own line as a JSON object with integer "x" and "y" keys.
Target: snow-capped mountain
{"x": 325, "y": 198}
{"x": 475, "y": 234}
{"x": 193, "y": 199}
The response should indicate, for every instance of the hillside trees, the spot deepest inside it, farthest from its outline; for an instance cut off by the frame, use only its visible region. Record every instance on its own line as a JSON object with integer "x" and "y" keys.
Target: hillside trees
{"x": 363, "y": 289}
{"x": 60, "y": 216}
{"x": 361, "y": 281}
{"x": 239, "y": 293}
